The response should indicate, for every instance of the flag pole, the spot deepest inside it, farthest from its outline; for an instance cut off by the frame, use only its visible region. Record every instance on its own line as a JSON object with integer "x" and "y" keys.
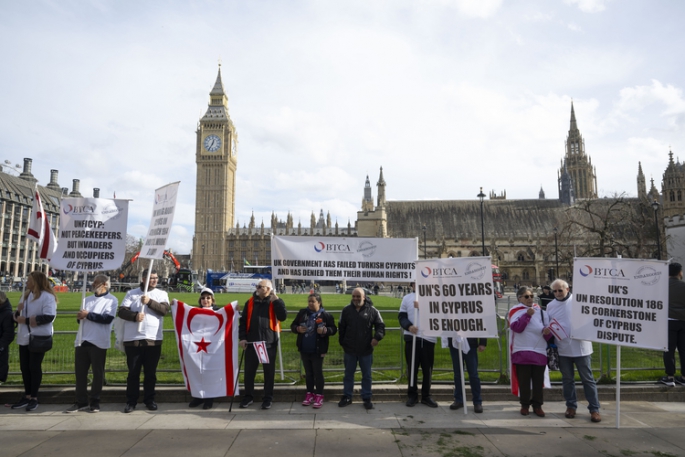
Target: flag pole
{"x": 413, "y": 349}
{"x": 461, "y": 368}
{"x": 147, "y": 282}
{"x": 237, "y": 378}
{"x": 79, "y": 335}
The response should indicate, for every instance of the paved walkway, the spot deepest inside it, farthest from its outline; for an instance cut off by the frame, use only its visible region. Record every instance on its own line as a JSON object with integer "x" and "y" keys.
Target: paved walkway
{"x": 391, "y": 429}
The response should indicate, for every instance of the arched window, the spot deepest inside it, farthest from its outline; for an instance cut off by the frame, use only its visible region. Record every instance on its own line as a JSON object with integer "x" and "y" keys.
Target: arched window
{"x": 520, "y": 258}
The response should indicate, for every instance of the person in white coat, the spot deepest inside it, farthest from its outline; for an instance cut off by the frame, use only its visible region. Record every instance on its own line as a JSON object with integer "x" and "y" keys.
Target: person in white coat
{"x": 572, "y": 351}
{"x": 92, "y": 341}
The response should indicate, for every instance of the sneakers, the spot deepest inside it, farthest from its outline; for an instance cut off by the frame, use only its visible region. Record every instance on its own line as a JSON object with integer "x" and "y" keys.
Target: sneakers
{"x": 668, "y": 381}
{"x": 344, "y": 401}
{"x": 368, "y": 404}
{"x": 245, "y": 402}
{"x": 679, "y": 380}
{"x": 76, "y": 407}
{"x": 318, "y": 401}
{"x": 95, "y": 406}
{"x": 32, "y": 405}
{"x": 308, "y": 399}
{"x": 21, "y": 403}
{"x": 266, "y": 404}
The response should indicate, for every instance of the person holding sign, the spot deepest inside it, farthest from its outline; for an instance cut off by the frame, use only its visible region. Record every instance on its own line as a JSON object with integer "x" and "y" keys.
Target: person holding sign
{"x": 360, "y": 329}
{"x": 313, "y": 325}
{"x": 571, "y": 351}
{"x": 676, "y": 326}
{"x": 96, "y": 319}
{"x": 261, "y": 322}
{"x": 528, "y": 346}
{"x": 423, "y": 348}
{"x": 143, "y": 342}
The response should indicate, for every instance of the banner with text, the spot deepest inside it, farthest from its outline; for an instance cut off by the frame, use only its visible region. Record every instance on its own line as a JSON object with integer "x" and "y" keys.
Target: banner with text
{"x": 160, "y": 223}
{"x": 336, "y": 259}
{"x": 92, "y": 234}
{"x": 456, "y": 296}
{"x": 623, "y": 302}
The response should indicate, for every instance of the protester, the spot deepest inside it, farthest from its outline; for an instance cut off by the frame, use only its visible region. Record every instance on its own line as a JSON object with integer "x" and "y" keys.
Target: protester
{"x": 676, "y": 326}
{"x": 545, "y": 297}
{"x": 423, "y": 350}
{"x": 313, "y": 326}
{"x": 528, "y": 351}
{"x": 95, "y": 319}
{"x": 6, "y": 335}
{"x": 260, "y": 322}
{"x": 475, "y": 345}
{"x": 572, "y": 351}
{"x": 35, "y": 313}
{"x": 360, "y": 329}
{"x": 206, "y": 300}
{"x": 144, "y": 316}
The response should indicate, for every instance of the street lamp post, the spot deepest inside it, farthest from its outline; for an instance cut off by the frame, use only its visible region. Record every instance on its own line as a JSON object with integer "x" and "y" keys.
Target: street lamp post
{"x": 481, "y": 195}
{"x": 425, "y": 251}
{"x": 655, "y": 205}
{"x": 556, "y": 253}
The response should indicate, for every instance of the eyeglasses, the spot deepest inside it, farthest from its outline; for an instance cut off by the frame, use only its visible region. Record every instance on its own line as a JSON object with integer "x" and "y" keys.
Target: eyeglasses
{"x": 262, "y": 287}
{"x": 558, "y": 291}
{"x": 527, "y": 296}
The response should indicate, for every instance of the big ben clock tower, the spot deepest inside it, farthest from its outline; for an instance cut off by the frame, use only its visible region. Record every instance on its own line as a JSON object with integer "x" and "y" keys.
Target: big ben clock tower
{"x": 217, "y": 159}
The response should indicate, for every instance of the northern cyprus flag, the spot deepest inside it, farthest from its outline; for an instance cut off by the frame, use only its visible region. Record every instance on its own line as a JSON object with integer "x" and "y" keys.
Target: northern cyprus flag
{"x": 207, "y": 348}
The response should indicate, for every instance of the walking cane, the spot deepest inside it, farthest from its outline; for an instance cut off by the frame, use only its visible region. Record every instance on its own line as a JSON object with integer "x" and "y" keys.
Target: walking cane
{"x": 235, "y": 387}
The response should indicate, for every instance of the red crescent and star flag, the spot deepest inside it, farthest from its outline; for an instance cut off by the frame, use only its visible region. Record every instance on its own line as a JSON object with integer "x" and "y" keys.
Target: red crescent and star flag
{"x": 207, "y": 343}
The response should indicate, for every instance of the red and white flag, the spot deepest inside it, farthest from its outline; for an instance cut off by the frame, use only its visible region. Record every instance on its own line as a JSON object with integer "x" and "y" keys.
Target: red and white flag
{"x": 260, "y": 348}
{"x": 39, "y": 229}
{"x": 207, "y": 348}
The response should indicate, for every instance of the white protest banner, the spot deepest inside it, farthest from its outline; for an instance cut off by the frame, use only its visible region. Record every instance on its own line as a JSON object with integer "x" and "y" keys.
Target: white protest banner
{"x": 160, "y": 223}
{"x": 337, "y": 259}
{"x": 456, "y": 297}
{"x": 92, "y": 234}
{"x": 623, "y": 302}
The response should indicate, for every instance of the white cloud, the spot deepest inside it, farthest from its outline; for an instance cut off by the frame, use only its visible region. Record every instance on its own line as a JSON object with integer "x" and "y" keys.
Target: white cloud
{"x": 589, "y": 6}
{"x": 574, "y": 27}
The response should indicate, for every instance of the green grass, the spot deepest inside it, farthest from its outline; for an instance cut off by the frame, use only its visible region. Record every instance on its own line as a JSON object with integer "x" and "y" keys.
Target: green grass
{"x": 388, "y": 356}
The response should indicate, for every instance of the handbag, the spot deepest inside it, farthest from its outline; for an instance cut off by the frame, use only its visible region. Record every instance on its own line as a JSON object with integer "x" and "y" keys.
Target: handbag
{"x": 40, "y": 343}
{"x": 552, "y": 350}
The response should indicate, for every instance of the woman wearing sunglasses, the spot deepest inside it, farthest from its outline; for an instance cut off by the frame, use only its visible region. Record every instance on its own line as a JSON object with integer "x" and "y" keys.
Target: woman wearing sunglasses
{"x": 528, "y": 351}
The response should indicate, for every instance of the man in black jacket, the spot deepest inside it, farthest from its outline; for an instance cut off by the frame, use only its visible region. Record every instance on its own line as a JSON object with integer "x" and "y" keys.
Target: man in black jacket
{"x": 359, "y": 331}
{"x": 676, "y": 326}
{"x": 261, "y": 321}
{"x": 6, "y": 335}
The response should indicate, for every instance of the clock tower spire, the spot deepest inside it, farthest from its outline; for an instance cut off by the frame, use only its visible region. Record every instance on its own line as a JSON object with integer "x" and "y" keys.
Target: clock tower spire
{"x": 216, "y": 157}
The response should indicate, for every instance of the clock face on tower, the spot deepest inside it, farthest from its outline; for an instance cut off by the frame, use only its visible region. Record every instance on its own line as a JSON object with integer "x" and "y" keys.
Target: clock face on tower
{"x": 212, "y": 143}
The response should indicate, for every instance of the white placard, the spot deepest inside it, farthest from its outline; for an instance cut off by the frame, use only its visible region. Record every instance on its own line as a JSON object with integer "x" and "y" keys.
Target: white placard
{"x": 337, "y": 259}
{"x": 456, "y": 297}
{"x": 160, "y": 223}
{"x": 623, "y": 302}
{"x": 92, "y": 234}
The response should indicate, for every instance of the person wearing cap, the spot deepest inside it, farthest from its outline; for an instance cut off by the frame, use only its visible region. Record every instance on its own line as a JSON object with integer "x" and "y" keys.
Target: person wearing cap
{"x": 143, "y": 342}
{"x": 92, "y": 341}
{"x": 260, "y": 321}
{"x": 6, "y": 335}
{"x": 206, "y": 300}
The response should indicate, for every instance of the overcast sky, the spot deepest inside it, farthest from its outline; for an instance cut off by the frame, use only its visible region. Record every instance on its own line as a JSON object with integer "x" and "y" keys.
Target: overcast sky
{"x": 446, "y": 95}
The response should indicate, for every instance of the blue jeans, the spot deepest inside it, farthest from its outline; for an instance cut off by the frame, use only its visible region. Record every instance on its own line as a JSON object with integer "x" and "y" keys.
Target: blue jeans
{"x": 586, "y": 377}
{"x": 471, "y": 361}
{"x": 365, "y": 362}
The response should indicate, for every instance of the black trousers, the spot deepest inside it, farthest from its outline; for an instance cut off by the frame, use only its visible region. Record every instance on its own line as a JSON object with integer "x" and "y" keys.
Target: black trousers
{"x": 313, "y": 372}
{"x": 86, "y": 356}
{"x": 4, "y": 364}
{"x": 425, "y": 356}
{"x": 30, "y": 364}
{"x": 676, "y": 339}
{"x": 251, "y": 364}
{"x": 147, "y": 358}
{"x": 526, "y": 374}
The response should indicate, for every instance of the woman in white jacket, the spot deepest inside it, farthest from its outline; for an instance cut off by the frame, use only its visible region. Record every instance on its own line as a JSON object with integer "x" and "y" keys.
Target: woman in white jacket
{"x": 35, "y": 313}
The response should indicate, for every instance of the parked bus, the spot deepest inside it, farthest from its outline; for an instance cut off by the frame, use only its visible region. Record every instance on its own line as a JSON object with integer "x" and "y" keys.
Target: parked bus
{"x": 497, "y": 282}
{"x": 246, "y": 281}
